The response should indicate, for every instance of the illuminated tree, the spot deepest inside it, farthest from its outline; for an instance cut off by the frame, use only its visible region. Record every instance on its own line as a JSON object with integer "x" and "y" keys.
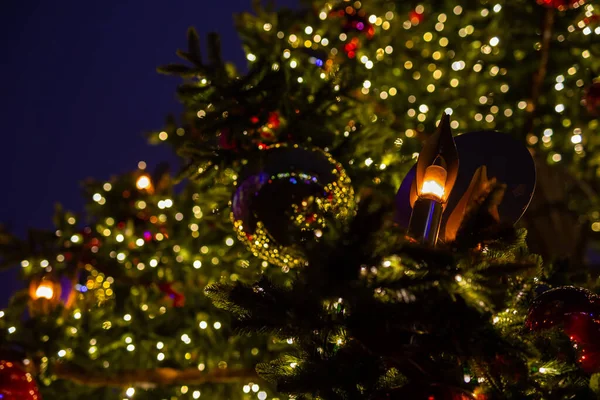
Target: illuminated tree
{"x": 355, "y": 88}
{"x": 116, "y": 306}
{"x": 368, "y": 82}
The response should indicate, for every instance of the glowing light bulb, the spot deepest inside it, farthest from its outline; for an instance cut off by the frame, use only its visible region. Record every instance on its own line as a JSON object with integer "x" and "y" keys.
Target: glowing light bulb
{"x": 434, "y": 181}
{"x": 143, "y": 182}
{"x": 44, "y": 291}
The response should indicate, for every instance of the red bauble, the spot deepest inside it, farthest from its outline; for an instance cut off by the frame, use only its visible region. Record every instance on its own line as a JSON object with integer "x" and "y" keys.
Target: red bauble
{"x": 178, "y": 298}
{"x": 578, "y": 311}
{"x": 16, "y": 383}
{"x": 592, "y": 99}
{"x": 273, "y": 121}
{"x": 416, "y": 391}
{"x": 415, "y": 17}
{"x": 561, "y": 4}
{"x": 226, "y": 142}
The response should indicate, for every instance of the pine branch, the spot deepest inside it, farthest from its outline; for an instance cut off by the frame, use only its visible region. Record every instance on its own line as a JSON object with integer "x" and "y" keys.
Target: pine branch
{"x": 151, "y": 378}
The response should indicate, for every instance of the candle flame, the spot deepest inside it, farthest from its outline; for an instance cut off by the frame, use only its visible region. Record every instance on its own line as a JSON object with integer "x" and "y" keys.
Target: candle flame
{"x": 433, "y": 184}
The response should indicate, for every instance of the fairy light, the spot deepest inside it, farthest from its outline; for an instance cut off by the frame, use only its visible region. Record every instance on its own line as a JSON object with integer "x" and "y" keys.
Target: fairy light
{"x": 143, "y": 182}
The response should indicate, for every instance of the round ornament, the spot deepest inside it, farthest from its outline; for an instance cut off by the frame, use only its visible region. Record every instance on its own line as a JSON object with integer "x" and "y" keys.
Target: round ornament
{"x": 577, "y": 310}
{"x": 16, "y": 383}
{"x": 561, "y": 5}
{"x": 285, "y": 199}
{"x": 592, "y": 99}
{"x": 505, "y": 159}
{"x": 176, "y": 297}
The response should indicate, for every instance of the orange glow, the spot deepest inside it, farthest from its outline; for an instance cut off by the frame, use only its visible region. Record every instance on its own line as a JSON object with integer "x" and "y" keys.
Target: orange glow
{"x": 143, "y": 182}
{"x": 44, "y": 291}
{"x": 433, "y": 184}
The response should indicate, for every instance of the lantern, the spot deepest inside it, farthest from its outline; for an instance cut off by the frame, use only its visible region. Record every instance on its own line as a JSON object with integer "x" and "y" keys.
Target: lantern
{"x": 495, "y": 181}
{"x": 44, "y": 293}
{"x": 436, "y": 173}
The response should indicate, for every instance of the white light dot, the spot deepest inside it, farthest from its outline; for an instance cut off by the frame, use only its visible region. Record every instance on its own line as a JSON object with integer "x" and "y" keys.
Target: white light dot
{"x": 62, "y": 353}
{"x": 576, "y": 139}
{"x": 160, "y": 356}
{"x": 559, "y": 108}
{"x": 127, "y": 317}
{"x": 251, "y": 57}
{"x": 130, "y": 392}
{"x": 262, "y": 395}
{"x": 196, "y": 394}
{"x": 217, "y": 325}
{"x": 203, "y": 324}
{"x": 494, "y": 41}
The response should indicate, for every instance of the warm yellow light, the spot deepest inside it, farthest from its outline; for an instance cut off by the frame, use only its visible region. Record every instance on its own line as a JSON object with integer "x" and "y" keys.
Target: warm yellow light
{"x": 44, "y": 291}
{"x": 434, "y": 181}
{"x": 143, "y": 182}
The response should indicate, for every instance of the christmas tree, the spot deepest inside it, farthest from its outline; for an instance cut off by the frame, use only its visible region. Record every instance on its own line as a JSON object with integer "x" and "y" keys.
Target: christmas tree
{"x": 300, "y": 191}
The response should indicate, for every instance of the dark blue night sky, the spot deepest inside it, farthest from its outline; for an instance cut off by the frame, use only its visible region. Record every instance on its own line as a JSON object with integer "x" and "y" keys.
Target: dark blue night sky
{"x": 79, "y": 89}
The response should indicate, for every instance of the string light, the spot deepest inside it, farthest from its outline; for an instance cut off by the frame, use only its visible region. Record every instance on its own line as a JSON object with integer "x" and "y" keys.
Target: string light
{"x": 143, "y": 182}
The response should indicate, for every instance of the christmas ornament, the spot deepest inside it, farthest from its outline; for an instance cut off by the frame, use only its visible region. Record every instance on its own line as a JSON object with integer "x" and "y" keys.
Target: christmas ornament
{"x": 418, "y": 391}
{"x": 16, "y": 383}
{"x": 284, "y": 200}
{"x": 226, "y": 142}
{"x": 561, "y": 5}
{"x": 577, "y": 310}
{"x": 415, "y": 17}
{"x": 592, "y": 99}
{"x": 177, "y": 297}
{"x": 435, "y": 176}
{"x": 491, "y": 164}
